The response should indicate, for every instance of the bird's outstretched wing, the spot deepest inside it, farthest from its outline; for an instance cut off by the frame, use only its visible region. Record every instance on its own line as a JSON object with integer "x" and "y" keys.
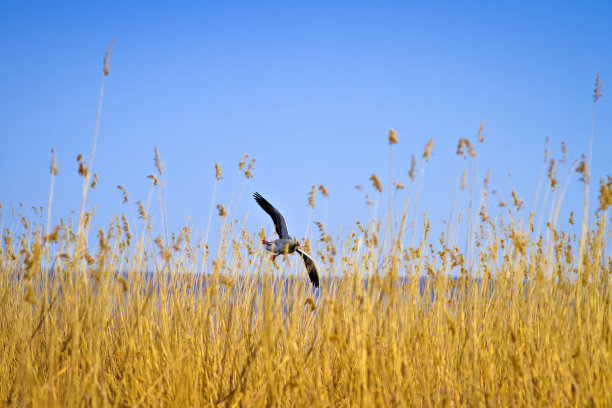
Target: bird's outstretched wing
{"x": 310, "y": 267}
{"x": 277, "y": 217}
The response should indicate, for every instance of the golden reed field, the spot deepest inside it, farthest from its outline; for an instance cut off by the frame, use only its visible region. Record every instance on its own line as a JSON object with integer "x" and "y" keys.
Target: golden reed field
{"x": 514, "y": 315}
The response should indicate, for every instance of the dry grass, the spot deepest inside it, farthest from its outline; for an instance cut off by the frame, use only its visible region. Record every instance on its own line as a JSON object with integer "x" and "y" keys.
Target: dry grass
{"x": 526, "y": 322}
{"x": 518, "y": 327}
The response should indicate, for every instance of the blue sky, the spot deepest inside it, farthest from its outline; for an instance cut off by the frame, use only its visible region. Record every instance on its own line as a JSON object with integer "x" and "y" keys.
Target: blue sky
{"x": 310, "y": 90}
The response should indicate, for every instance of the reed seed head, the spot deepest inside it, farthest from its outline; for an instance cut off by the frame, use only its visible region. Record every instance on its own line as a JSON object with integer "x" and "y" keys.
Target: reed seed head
{"x": 242, "y": 162}
{"x": 517, "y": 203}
{"x": 392, "y": 137}
{"x": 376, "y": 183}
{"x": 582, "y": 169}
{"x": 487, "y": 178}
{"x": 551, "y": 174}
{"x": 311, "y": 197}
{"x": 107, "y": 57}
{"x": 82, "y": 169}
{"x": 564, "y": 153}
{"x": 54, "y": 235}
{"x": 141, "y": 211}
{"x": 428, "y": 150}
{"x": 323, "y": 191}
{"x": 153, "y": 178}
{"x": 480, "y": 132}
{"x": 249, "y": 172}
{"x": 158, "y": 163}
{"x": 598, "y": 87}
{"x": 470, "y": 148}
{"x": 218, "y": 175}
{"x": 465, "y": 143}
{"x": 126, "y": 227}
{"x": 547, "y": 149}
{"x": 311, "y": 304}
{"x": 124, "y": 192}
{"x": 54, "y": 164}
{"x": 412, "y": 171}
{"x": 605, "y": 194}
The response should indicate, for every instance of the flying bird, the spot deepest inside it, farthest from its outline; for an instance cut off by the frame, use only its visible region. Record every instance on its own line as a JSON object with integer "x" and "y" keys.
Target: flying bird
{"x": 285, "y": 244}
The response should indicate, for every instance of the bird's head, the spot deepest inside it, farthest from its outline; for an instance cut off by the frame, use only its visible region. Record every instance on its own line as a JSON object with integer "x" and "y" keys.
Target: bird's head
{"x": 298, "y": 244}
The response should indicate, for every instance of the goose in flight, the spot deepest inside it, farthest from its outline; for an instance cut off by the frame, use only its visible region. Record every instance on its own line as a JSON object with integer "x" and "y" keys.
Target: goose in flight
{"x": 284, "y": 244}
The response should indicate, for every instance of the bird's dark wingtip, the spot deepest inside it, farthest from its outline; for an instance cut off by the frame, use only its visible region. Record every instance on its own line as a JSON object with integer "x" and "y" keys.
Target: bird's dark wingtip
{"x": 314, "y": 278}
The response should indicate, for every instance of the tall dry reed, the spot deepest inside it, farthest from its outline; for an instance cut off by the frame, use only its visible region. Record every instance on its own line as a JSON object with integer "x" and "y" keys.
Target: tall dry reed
{"x": 516, "y": 319}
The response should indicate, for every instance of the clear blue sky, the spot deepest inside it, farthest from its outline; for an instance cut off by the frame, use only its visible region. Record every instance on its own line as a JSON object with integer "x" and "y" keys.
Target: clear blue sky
{"x": 310, "y": 90}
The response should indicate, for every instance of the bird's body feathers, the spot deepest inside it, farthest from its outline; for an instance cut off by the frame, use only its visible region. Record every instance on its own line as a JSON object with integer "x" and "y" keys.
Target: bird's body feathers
{"x": 281, "y": 246}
